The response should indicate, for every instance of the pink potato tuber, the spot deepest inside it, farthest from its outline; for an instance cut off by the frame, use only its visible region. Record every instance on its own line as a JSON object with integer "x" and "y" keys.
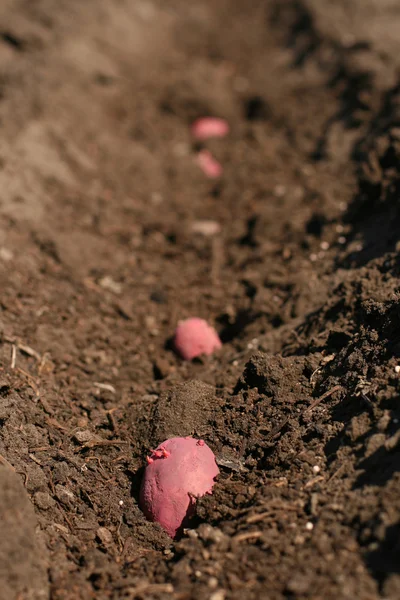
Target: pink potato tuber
{"x": 177, "y": 473}
{"x": 194, "y": 337}
{"x": 209, "y": 127}
{"x": 209, "y": 165}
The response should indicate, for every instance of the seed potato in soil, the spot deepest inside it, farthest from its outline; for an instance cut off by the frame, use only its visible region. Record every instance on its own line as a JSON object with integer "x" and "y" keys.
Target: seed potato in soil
{"x": 111, "y": 234}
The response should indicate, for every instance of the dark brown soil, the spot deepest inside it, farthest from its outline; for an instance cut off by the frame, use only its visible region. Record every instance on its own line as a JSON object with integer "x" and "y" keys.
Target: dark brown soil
{"x": 100, "y": 256}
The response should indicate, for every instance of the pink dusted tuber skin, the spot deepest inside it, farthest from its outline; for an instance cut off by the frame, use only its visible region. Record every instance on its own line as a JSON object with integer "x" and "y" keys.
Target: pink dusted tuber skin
{"x": 208, "y": 164}
{"x": 209, "y": 127}
{"x": 194, "y": 337}
{"x": 177, "y": 473}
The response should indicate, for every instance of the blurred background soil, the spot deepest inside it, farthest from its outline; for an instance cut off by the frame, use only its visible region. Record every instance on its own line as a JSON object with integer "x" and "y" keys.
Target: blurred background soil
{"x": 103, "y": 248}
